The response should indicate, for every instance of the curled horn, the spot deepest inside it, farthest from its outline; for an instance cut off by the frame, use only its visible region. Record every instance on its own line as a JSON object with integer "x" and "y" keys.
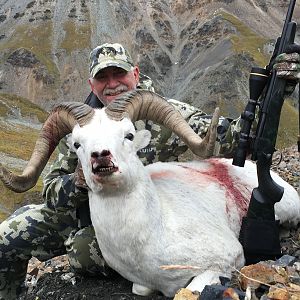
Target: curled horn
{"x": 146, "y": 105}
{"x": 59, "y": 123}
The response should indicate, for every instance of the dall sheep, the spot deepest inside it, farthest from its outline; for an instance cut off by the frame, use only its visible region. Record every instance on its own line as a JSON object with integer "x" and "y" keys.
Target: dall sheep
{"x": 153, "y": 222}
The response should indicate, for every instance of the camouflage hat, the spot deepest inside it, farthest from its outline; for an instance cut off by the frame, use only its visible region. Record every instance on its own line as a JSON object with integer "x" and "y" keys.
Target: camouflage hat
{"x": 108, "y": 55}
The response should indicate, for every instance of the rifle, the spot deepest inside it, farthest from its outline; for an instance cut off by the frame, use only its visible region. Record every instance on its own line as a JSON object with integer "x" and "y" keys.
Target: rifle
{"x": 259, "y": 232}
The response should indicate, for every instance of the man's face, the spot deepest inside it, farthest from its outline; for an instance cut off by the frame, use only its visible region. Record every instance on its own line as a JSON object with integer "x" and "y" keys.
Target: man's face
{"x": 111, "y": 82}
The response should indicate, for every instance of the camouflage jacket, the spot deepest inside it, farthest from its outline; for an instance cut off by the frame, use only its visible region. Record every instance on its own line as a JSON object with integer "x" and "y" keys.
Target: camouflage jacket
{"x": 60, "y": 192}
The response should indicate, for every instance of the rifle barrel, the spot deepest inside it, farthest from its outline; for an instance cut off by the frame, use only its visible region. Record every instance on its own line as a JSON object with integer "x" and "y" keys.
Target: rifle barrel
{"x": 286, "y": 23}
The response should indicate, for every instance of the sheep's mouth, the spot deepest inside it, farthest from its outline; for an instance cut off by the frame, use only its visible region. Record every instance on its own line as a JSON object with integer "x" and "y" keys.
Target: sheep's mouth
{"x": 104, "y": 170}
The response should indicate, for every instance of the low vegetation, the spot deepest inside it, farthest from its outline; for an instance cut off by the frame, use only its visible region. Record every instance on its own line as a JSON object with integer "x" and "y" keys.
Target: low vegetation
{"x": 247, "y": 40}
{"x": 288, "y": 127}
{"x": 37, "y": 40}
{"x": 10, "y": 201}
{"x": 10, "y": 103}
{"x": 76, "y": 36}
{"x": 17, "y": 139}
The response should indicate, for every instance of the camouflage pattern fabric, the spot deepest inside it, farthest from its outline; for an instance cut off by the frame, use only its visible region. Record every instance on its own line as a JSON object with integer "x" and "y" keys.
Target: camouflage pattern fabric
{"x": 109, "y": 55}
{"x": 33, "y": 230}
{"x": 79, "y": 243}
{"x": 288, "y": 67}
{"x": 145, "y": 83}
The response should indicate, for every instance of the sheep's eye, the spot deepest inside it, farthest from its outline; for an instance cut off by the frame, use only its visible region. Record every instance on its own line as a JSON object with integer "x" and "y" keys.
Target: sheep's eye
{"x": 129, "y": 136}
{"x": 76, "y": 145}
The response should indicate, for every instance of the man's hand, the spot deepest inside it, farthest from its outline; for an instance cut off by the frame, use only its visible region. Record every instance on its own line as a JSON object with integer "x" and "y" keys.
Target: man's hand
{"x": 287, "y": 66}
{"x": 80, "y": 182}
{"x": 209, "y": 140}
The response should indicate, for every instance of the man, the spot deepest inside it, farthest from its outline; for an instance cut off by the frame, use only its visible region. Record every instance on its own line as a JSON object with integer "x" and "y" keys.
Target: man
{"x": 61, "y": 225}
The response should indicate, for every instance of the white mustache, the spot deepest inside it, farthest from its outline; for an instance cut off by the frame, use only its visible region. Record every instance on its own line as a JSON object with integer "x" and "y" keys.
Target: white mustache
{"x": 119, "y": 89}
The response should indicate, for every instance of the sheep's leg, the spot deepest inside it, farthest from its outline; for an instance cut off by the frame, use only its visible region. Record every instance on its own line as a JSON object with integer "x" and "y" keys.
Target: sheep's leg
{"x": 141, "y": 290}
{"x": 200, "y": 281}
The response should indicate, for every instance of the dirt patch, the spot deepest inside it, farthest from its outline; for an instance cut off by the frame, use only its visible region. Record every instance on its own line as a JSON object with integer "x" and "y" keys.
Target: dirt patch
{"x": 66, "y": 286}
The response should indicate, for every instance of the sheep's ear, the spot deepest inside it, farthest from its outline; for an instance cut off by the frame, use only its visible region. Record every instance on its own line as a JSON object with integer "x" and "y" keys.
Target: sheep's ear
{"x": 142, "y": 139}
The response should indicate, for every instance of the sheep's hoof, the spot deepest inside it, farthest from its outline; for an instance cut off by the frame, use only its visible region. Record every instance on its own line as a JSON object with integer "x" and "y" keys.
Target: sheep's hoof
{"x": 141, "y": 290}
{"x": 186, "y": 294}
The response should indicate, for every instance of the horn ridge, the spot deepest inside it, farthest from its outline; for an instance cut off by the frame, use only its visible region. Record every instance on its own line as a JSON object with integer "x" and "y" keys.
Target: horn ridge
{"x": 134, "y": 104}
{"x": 81, "y": 111}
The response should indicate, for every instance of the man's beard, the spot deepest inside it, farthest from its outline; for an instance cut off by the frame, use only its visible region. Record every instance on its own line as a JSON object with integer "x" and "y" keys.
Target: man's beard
{"x": 119, "y": 89}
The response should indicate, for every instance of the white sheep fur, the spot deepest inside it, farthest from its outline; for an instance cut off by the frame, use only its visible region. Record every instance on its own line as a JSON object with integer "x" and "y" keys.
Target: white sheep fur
{"x": 186, "y": 214}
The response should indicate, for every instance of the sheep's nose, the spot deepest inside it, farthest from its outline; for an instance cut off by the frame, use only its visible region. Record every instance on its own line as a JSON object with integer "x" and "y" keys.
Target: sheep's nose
{"x": 98, "y": 154}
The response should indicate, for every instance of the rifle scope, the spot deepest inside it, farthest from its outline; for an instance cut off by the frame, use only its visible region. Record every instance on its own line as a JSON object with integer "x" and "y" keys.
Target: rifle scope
{"x": 257, "y": 81}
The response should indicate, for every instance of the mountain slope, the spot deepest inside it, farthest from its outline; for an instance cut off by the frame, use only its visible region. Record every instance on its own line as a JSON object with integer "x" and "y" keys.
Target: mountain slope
{"x": 195, "y": 51}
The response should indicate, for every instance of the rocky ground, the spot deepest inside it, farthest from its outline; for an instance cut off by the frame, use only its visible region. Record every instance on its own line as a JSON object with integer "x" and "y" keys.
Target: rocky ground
{"x": 55, "y": 280}
{"x": 287, "y": 164}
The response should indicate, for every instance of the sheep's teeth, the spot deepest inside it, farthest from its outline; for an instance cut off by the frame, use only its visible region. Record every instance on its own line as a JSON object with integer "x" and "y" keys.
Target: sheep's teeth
{"x": 105, "y": 169}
